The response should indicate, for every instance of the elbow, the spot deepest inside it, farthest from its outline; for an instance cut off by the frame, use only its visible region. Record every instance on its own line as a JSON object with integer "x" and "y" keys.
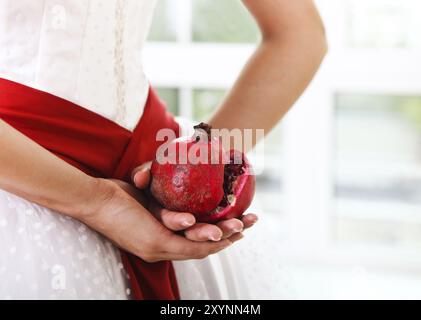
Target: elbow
{"x": 322, "y": 39}
{"x": 308, "y": 32}
{"x": 317, "y": 33}
{"x": 323, "y": 49}
{"x": 310, "y": 38}
{"x": 315, "y": 44}
{"x": 322, "y": 45}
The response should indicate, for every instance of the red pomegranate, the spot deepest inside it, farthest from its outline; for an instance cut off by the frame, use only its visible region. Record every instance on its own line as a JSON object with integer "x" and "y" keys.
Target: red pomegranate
{"x": 217, "y": 185}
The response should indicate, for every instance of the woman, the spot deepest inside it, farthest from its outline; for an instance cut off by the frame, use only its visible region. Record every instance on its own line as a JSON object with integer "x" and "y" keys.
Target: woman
{"x": 78, "y": 116}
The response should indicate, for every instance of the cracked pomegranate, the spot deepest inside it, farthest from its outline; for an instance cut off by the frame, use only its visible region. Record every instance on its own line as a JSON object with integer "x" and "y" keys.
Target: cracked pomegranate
{"x": 202, "y": 178}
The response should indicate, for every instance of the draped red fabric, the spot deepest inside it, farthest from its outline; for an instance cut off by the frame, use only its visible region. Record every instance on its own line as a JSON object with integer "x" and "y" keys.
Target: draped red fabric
{"x": 100, "y": 148}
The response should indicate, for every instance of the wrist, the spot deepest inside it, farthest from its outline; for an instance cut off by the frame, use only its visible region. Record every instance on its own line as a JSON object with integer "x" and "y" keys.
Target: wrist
{"x": 98, "y": 193}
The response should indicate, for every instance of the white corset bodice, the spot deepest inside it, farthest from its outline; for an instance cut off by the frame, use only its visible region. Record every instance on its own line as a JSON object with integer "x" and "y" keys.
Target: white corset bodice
{"x": 85, "y": 51}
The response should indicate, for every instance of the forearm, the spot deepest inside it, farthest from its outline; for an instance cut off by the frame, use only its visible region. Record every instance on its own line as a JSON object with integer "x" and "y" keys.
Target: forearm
{"x": 273, "y": 79}
{"x": 30, "y": 171}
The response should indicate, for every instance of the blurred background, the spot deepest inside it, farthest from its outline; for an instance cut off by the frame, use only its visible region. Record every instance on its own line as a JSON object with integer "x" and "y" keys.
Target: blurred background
{"x": 340, "y": 194}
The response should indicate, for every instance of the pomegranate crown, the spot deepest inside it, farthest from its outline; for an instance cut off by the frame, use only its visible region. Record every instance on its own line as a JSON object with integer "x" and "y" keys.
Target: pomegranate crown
{"x": 200, "y": 129}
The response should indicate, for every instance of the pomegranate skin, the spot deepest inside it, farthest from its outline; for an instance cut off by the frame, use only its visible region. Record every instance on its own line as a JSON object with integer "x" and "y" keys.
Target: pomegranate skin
{"x": 212, "y": 191}
{"x": 243, "y": 190}
{"x": 195, "y": 188}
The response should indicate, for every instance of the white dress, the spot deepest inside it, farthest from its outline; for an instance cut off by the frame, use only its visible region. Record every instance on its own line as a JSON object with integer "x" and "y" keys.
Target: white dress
{"x": 88, "y": 52}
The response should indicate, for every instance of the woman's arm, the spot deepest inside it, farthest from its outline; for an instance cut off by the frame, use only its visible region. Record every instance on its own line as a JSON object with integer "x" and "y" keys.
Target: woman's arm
{"x": 111, "y": 208}
{"x": 30, "y": 171}
{"x": 292, "y": 48}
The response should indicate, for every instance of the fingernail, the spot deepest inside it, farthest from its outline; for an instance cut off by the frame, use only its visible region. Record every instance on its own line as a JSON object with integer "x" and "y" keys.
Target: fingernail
{"x": 214, "y": 238}
{"x": 236, "y": 230}
{"x": 187, "y": 223}
{"x": 254, "y": 220}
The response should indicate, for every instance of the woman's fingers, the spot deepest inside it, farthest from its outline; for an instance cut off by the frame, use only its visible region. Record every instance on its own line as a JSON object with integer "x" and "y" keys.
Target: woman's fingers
{"x": 249, "y": 220}
{"x": 175, "y": 221}
{"x": 141, "y": 175}
{"x": 204, "y": 232}
{"x": 222, "y": 230}
{"x": 195, "y": 245}
{"x": 235, "y": 237}
{"x": 180, "y": 248}
{"x": 230, "y": 227}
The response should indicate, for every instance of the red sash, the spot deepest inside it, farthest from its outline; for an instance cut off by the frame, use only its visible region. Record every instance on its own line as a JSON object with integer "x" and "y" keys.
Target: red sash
{"x": 100, "y": 148}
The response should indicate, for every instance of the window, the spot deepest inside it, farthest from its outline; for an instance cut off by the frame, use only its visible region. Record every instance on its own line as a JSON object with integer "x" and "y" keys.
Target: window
{"x": 164, "y": 25}
{"x": 383, "y": 23}
{"x": 171, "y": 98}
{"x": 378, "y": 168}
{"x": 222, "y": 21}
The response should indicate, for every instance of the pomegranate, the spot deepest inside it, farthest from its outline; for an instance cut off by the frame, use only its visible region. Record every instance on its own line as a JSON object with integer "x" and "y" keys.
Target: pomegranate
{"x": 216, "y": 187}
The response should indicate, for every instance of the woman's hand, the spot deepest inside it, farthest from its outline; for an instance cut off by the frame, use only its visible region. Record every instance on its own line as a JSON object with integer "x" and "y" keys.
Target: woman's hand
{"x": 118, "y": 214}
{"x": 186, "y": 222}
